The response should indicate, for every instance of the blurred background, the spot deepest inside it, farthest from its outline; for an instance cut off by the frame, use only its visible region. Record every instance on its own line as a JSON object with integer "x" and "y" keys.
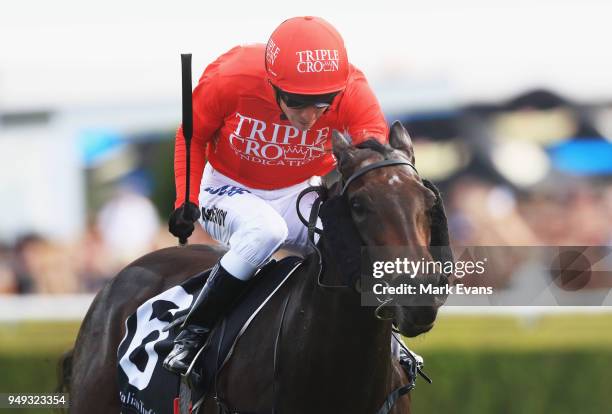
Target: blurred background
{"x": 509, "y": 105}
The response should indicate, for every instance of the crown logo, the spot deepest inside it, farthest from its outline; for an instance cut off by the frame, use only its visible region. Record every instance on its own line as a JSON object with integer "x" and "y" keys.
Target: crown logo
{"x": 296, "y": 152}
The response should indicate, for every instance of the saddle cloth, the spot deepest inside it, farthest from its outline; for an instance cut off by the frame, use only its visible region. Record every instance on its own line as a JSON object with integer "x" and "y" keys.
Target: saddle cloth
{"x": 145, "y": 387}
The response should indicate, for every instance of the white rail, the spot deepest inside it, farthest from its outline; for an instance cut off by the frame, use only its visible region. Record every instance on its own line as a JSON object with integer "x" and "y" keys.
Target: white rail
{"x": 16, "y": 308}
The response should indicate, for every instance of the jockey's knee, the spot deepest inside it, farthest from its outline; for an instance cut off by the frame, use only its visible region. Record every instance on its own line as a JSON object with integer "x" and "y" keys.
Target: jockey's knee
{"x": 253, "y": 244}
{"x": 270, "y": 234}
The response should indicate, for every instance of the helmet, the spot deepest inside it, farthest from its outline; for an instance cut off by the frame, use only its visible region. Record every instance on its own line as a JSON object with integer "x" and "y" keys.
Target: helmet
{"x": 306, "y": 55}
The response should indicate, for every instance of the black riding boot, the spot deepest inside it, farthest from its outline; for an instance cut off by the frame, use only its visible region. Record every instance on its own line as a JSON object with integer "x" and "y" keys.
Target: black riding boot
{"x": 213, "y": 302}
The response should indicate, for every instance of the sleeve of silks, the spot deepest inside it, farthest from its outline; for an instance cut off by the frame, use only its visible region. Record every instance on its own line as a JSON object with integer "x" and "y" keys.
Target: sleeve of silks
{"x": 208, "y": 117}
{"x": 362, "y": 114}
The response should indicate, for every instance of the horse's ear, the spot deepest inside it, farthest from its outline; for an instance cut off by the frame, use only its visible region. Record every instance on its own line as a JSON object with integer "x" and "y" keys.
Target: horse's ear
{"x": 400, "y": 140}
{"x": 342, "y": 148}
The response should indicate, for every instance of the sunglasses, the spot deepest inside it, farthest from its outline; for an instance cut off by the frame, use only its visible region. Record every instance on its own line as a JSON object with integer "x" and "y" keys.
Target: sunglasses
{"x": 295, "y": 101}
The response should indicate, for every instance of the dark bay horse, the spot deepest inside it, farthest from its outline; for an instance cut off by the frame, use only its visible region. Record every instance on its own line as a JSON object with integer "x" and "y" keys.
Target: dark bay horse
{"x": 333, "y": 355}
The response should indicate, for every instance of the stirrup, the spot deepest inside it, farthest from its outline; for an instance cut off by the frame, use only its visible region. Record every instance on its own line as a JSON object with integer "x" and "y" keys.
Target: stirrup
{"x": 212, "y": 303}
{"x": 187, "y": 345}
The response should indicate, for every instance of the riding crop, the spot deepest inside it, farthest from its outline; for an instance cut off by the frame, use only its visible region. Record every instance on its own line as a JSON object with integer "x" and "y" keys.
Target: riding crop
{"x": 187, "y": 126}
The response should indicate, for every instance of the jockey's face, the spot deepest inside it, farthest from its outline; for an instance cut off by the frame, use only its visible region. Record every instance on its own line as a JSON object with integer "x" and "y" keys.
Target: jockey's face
{"x": 302, "y": 118}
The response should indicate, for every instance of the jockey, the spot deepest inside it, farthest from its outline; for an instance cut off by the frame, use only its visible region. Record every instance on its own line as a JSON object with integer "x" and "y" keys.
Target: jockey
{"x": 263, "y": 116}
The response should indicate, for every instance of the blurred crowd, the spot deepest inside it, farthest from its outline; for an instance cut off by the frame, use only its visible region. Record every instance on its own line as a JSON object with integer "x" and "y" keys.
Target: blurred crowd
{"x": 484, "y": 214}
{"x": 480, "y": 214}
{"x": 533, "y": 171}
{"x": 125, "y": 228}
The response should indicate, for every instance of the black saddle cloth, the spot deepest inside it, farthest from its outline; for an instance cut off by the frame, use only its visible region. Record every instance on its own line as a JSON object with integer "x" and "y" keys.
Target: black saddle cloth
{"x": 144, "y": 385}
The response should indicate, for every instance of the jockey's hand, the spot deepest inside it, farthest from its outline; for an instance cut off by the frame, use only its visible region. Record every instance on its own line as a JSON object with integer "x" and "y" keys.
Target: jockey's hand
{"x": 181, "y": 220}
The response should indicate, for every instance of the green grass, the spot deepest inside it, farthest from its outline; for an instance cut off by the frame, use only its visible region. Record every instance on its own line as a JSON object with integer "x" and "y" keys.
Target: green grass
{"x": 487, "y": 364}
{"x": 37, "y": 338}
{"x": 490, "y": 364}
{"x": 29, "y": 355}
{"x": 517, "y": 334}
{"x": 560, "y": 332}
{"x": 505, "y": 382}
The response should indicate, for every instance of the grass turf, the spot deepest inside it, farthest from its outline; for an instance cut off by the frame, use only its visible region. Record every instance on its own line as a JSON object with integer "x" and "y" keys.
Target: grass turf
{"x": 484, "y": 364}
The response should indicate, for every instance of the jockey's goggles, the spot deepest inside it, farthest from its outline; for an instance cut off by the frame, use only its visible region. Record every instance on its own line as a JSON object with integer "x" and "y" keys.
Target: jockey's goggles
{"x": 295, "y": 101}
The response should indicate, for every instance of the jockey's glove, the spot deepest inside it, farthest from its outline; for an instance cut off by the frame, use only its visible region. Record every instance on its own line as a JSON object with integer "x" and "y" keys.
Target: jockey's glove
{"x": 181, "y": 220}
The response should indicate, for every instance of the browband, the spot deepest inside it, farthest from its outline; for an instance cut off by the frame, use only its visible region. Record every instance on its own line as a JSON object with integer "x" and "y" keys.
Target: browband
{"x": 374, "y": 166}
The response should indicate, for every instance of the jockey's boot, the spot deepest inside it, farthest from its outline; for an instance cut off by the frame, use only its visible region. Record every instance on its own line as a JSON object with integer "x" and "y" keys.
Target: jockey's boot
{"x": 214, "y": 301}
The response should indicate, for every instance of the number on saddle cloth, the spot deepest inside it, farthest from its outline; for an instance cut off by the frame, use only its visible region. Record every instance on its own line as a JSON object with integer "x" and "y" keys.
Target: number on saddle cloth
{"x": 143, "y": 383}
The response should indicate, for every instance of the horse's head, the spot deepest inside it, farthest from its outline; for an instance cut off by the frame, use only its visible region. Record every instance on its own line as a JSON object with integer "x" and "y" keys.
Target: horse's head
{"x": 391, "y": 205}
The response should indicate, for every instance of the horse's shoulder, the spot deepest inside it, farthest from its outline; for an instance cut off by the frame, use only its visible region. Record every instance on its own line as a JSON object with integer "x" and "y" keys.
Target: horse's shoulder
{"x": 191, "y": 254}
{"x": 154, "y": 273}
{"x": 169, "y": 266}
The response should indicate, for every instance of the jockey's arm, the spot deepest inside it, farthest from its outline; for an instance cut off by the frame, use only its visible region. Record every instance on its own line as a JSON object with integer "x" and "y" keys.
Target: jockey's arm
{"x": 208, "y": 116}
{"x": 362, "y": 114}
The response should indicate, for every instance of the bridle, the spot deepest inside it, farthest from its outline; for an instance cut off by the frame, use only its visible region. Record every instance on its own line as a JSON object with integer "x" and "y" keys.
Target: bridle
{"x": 374, "y": 166}
{"x": 414, "y": 366}
{"x": 322, "y": 192}
{"x": 357, "y": 174}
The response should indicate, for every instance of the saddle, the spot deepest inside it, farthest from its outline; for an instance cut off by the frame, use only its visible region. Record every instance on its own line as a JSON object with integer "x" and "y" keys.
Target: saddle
{"x": 220, "y": 344}
{"x": 144, "y": 385}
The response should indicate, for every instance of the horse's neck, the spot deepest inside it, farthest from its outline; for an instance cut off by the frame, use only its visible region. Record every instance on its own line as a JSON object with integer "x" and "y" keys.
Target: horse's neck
{"x": 343, "y": 345}
{"x": 337, "y": 311}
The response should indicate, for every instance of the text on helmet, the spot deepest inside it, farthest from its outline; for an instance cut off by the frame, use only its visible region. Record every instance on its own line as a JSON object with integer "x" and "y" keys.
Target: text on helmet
{"x": 318, "y": 60}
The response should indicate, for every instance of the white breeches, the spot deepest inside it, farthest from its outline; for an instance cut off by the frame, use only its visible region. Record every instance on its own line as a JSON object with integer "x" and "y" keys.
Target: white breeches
{"x": 253, "y": 223}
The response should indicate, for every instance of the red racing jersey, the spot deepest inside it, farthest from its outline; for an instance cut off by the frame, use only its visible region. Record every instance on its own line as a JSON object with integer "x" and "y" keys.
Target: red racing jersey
{"x": 238, "y": 126}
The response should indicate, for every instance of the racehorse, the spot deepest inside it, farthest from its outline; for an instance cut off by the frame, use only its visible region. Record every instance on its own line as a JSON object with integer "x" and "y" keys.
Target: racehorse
{"x": 333, "y": 355}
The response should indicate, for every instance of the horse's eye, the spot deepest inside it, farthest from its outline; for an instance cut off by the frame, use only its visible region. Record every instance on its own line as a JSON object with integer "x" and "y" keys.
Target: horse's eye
{"x": 357, "y": 207}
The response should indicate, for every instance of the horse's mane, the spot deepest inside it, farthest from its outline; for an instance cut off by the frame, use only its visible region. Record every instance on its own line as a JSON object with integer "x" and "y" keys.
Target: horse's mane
{"x": 375, "y": 145}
